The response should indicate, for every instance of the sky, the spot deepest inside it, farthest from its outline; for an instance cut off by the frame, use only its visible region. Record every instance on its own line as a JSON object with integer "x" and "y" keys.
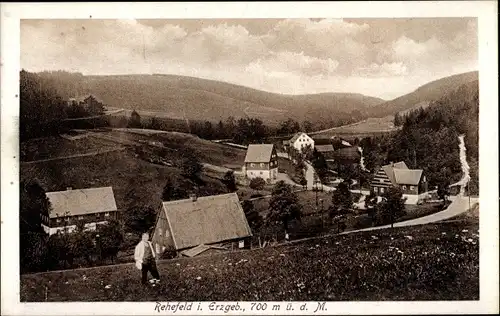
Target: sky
{"x": 383, "y": 58}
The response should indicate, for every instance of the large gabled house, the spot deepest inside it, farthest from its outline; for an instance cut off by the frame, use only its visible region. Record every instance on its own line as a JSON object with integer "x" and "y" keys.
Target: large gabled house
{"x": 261, "y": 161}
{"x": 412, "y": 182}
{"x": 299, "y": 141}
{"x": 71, "y": 207}
{"x": 206, "y": 224}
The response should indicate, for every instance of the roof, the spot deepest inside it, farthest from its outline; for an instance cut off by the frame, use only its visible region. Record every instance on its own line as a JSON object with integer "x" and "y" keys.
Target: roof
{"x": 388, "y": 169}
{"x": 208, "y": 220}
{"x": 324, "y": 148}
{"x": 408, "y": 176}
{"x": 199, "y": 249}
{"x": 349, "y": 153}
{"x": 399, "y": 173}
{"x": 296, "y": 136}
{"x": 259, "y": 153}
{"x": 81, "y": 201}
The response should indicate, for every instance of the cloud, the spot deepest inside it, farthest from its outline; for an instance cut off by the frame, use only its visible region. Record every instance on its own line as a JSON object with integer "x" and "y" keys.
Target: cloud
{"x": 298, "y": 63}
{"x": 288, "y": 55}
{"x": 384, "y": 70}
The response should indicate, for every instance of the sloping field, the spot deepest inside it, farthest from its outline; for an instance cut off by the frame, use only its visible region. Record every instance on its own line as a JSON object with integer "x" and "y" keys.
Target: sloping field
{"x": 431, "y": 262}
{"x": 369, "y": 126}
{"x": 133, "y": 180}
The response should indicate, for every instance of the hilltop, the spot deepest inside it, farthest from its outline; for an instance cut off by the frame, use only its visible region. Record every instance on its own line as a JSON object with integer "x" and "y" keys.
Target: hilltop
{"x": 424, "y": 95}
{"x": 203, "y": 99}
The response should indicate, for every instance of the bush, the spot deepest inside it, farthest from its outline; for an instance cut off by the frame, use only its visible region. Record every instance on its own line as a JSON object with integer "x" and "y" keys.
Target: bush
{"x": 257, "y": 183}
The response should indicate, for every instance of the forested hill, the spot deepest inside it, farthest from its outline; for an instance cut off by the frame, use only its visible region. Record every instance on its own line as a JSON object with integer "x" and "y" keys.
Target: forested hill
{"x": 425, "y": 94}
{"x": 429, "y": 138}
{"x": 202, "y": 99}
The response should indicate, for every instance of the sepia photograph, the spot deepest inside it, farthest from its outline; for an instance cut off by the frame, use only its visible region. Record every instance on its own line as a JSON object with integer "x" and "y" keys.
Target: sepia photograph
{"x": 248, "y": 159}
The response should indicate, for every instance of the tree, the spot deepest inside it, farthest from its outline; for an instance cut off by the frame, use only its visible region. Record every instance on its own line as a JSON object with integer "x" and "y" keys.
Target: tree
{"x": 307, "y": 126}
{"x": 230, "y": 181}
{"x": 110, "y": 237}
{"x": 443, "y": 190}
{"x": 392, "y": 206}
{"x": 342, "y": 201}
{"x": 371, "y": 206}
{"x": 302, "y": 179}
{"x": 81, "y": 244}
{"x": 175, "y": 190}
{"x": 33, "y": 240}
{"x": 135, "y": 120}
{"x": 191, "y": 166}
{"x": 307, "y": 152}
{"x": 284, "y": 204}
{"x": 155, "y": 123}
{"x": 319, "y": 164}
{"x": 257, "y": 183}
{"x": 140, "y": 218}
{"x": 253, "y": 217}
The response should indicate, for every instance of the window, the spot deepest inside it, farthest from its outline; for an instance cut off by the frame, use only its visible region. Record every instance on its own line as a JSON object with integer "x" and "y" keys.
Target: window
{"x": 80, "y": 217}
{"x": 58, "y": 220}
{"x": 251, "y": 173}
{"x": 262, "y": 164}
{"x": 381, "y": 190}
{"x": 252, "y": 165}
{"x": 412, "y": 187}
{"x": 261, "y": 172}
{"x": 106, "y": 214}
{"x": 404, "y": 187}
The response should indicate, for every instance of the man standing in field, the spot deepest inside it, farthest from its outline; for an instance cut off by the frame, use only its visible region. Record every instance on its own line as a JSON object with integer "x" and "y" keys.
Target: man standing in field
{"x": 145, "y": 260}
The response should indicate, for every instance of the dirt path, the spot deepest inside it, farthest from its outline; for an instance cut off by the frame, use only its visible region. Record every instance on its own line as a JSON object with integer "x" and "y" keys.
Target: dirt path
{"x": 94, "y": 153}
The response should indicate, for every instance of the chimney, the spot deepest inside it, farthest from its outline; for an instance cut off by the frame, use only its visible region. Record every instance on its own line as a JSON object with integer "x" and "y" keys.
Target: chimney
{"x": 193, "y": 197}
{"x": 69, "y": 188}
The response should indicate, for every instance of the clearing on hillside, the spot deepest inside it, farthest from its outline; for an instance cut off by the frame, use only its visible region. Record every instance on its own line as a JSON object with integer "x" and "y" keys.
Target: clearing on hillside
{"x": 431, "y": 262}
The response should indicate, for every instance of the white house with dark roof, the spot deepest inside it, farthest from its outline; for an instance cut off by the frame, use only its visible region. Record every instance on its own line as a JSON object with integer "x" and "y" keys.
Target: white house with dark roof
{"x": 196, "y": 225}
{"x": 412, "y": 182}
{"x": 92, "y": 206}
{"x": 301, "y": 140}
{"x": 261, "y": 161}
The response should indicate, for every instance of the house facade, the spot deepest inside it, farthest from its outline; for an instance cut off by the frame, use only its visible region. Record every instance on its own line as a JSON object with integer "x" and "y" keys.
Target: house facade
{"x": 301, "y": 140}
{"x": 412, "y": 182}
{"x": 261, "y": 161}
{"x": 198, "y": 225}
{"x": 90, "y": 207}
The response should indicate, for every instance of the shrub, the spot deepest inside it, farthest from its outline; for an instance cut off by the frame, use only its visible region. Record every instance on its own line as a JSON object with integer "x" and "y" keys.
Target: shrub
{"x": 257, "y": 183}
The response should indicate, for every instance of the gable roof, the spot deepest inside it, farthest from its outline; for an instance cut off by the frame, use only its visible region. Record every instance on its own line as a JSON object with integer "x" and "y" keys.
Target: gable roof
{"x": 259, "y": 153}
{"x": 399, "y": 173}
{"x": 324, "y": 148}
{"x": 296, "y": 136}
{"x": 208, "y": 220}
{"x": 81, "y": 201}
{"x": 408, "y": 176}
{"x": 389, "y": 170}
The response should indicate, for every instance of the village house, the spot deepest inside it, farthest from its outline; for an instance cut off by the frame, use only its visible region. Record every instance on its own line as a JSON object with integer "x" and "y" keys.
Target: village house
{"x": 69, "y": 208}
{"x": 201, "y": 225}
{"x": 261, "y": 161}
{"x": 299, "y": 141}
{"x": 412, "y": 182}
{"x": 325, "y": 150}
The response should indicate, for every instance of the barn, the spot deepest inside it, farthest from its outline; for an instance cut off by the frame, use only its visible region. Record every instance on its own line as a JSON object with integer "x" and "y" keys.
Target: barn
{"x": 193, "y": 226}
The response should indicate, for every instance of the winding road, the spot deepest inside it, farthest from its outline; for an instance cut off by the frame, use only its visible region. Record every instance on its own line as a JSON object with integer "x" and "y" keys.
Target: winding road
{"x": 459, "y": 205}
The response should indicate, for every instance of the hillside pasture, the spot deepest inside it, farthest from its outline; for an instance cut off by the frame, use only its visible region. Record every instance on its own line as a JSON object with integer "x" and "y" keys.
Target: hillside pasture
{"x": 368, "y": 127}
{"x": 56, "y": 146}
{"x": 134, "y": 181}
{"x": 431, "y": 262}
